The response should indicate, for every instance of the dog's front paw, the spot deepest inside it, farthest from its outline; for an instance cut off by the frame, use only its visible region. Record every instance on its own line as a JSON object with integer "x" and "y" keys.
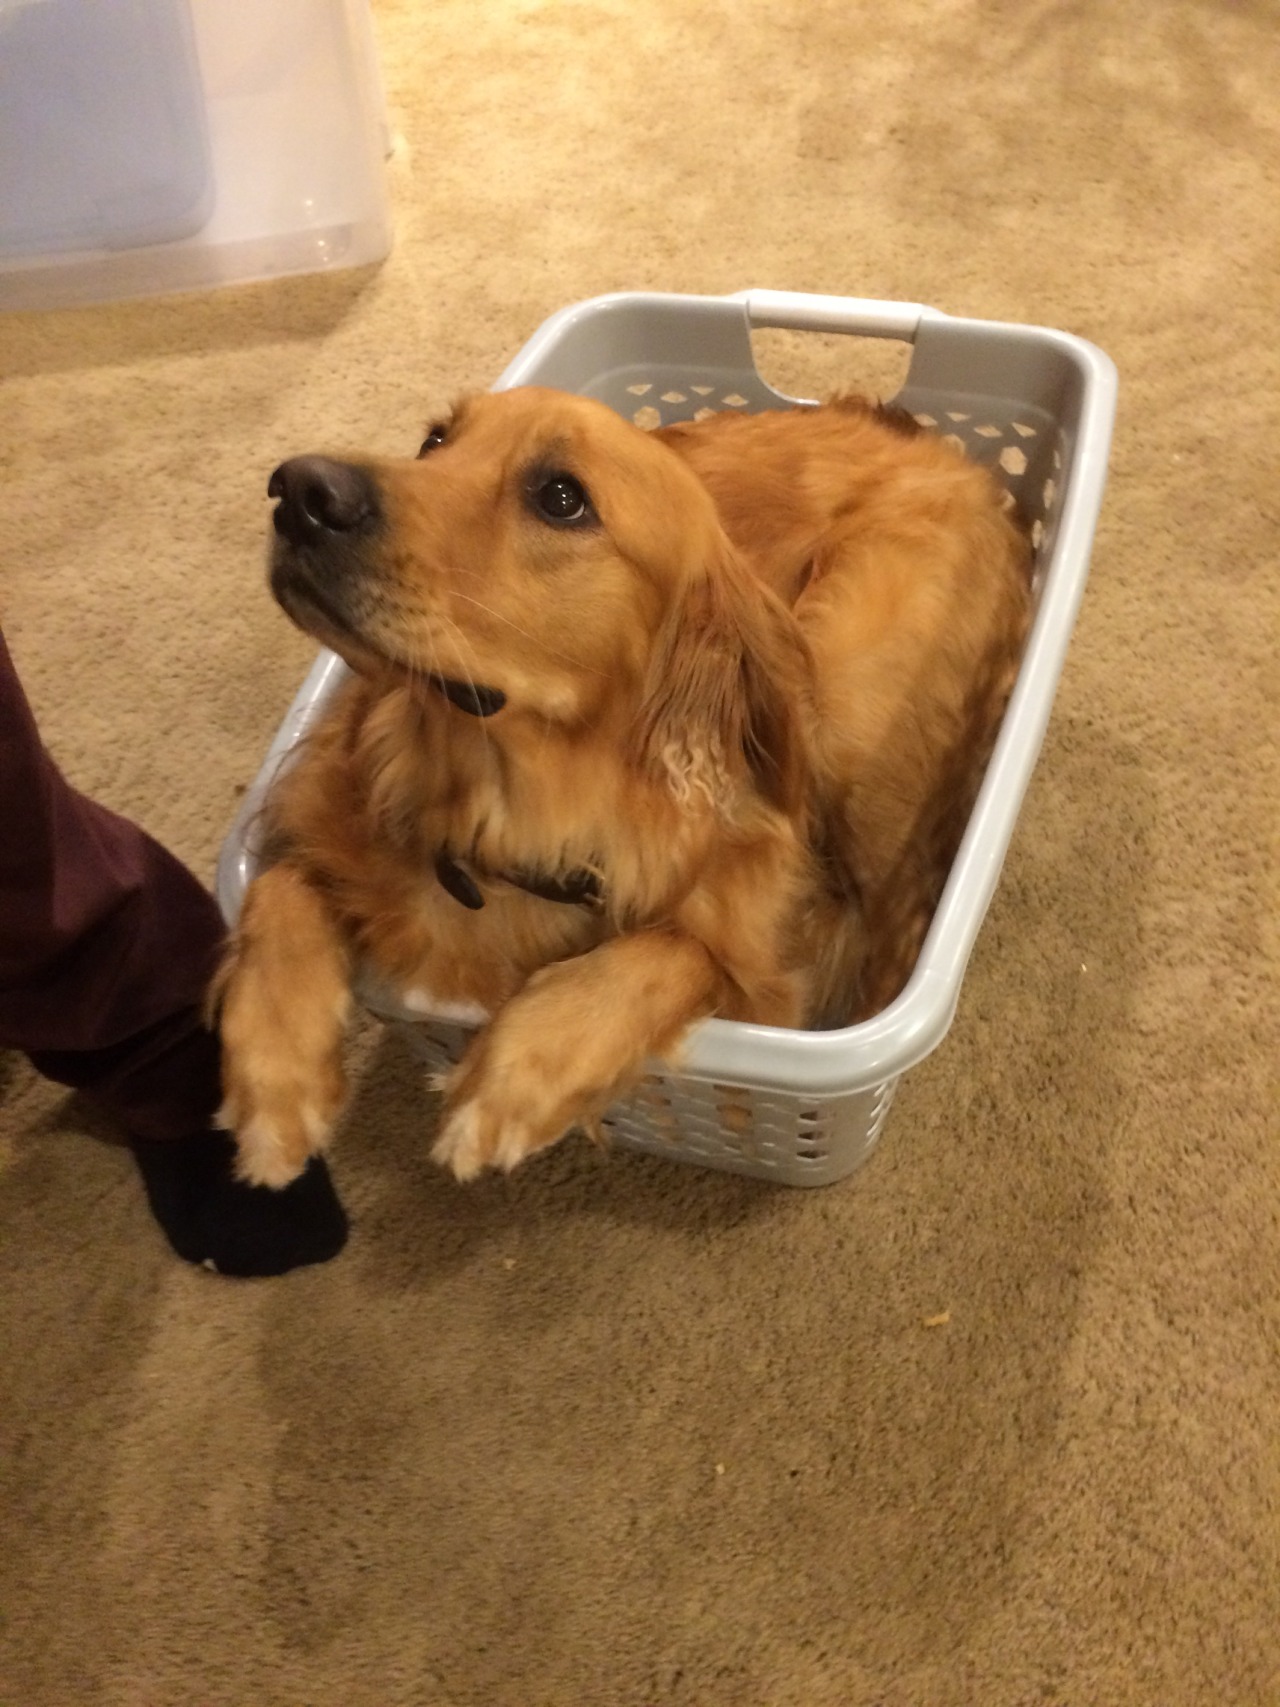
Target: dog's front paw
{"x": 278, "y": 1129}
{"x": 280, "y": 1000}
{"x": 475, "y": 1136}
{"x": 502, "y": 1104}
{"x": 535, "y": 1073}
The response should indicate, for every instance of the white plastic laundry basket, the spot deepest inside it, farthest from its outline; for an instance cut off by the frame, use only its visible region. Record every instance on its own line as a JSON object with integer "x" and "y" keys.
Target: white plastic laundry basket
{"x": 805, "y": 1108}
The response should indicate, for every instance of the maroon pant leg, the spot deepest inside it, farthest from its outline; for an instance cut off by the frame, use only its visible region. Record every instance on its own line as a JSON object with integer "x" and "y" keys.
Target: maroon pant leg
{"x": 107, "y": 944}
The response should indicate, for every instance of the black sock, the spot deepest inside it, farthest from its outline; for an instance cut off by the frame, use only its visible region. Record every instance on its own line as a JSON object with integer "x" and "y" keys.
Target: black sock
{"x": 211, "y": 1217}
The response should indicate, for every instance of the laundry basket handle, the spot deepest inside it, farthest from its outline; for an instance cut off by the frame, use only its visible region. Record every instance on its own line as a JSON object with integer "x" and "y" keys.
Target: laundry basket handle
{"x": 798, "y": 311}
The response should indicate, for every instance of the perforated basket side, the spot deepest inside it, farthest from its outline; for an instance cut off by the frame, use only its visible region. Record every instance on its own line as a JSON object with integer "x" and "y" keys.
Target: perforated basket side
{"x": 1020, "y": 443}
{"x": 773, "y": 1135}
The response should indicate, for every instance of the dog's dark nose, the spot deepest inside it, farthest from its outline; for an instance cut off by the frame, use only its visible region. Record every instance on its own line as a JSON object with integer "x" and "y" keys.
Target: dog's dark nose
{"x": 319, "y": 496}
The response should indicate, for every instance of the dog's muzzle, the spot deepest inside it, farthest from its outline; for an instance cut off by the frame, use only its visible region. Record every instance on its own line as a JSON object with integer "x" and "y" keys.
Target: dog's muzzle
{"x": 324, "y": 509}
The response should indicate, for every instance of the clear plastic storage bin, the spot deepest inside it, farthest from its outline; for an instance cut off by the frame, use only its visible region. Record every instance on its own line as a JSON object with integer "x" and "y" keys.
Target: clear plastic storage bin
{"x": 805, "y": 1108}
{"x": 160, "y": 145}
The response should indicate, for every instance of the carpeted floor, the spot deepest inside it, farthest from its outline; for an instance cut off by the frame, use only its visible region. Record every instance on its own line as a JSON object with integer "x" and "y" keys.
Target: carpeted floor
{"x": 614, "y": 1431}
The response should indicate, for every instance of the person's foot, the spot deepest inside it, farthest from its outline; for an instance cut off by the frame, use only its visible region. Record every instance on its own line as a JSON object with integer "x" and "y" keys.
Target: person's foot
{"x": 212, "y": 1218}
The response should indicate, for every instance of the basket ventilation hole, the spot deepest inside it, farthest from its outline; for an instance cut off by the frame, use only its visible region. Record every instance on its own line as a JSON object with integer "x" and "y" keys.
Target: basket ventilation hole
{"x": 957, "y": 415}
{"x": 734, "y": 1109}
{"x": 674, "y": 397}
{"x": 640, "y": 390}
{"x": 735, "y": 400}
{"x": 648, "y": 417}
{"x": 1023, "y": 430}
{"x": 702, "y": 390}
{"x": 927, "y": 420}
{"x": 703, "y": 414}
{"x": 955, "y": 441}
{"x": 1049, "y": 489}
{"x": 988, "y": 432}
{"x": 1037, "y": 533}
{"x": 1012, "y": 460}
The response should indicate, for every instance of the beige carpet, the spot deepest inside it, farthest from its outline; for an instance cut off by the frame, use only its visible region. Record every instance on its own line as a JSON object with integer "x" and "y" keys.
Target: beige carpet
{"x": 618, "y": 1432}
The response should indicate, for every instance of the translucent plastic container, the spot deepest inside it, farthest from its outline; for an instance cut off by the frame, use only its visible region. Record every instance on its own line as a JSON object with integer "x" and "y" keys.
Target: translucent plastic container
{"x": 160, "y": 145}
{"x": 805, "y": 1108}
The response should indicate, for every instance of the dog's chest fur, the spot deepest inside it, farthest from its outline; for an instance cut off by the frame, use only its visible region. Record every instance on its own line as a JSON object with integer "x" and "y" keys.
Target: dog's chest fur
{"x": 536, "y": 802}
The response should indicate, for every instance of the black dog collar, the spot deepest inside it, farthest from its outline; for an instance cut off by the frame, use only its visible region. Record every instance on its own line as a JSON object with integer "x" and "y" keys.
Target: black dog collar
{"x": 578, "y": 888}
{"x": 460, "y": 884}
{"x": 479, "y": 702}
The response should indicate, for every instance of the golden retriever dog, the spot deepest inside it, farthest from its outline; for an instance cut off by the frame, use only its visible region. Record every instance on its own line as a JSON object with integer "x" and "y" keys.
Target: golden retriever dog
{"x": 644, "y": 727}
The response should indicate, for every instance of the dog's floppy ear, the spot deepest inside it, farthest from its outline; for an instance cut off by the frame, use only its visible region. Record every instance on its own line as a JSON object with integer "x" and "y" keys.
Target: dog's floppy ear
{"x": 729, "y": 689}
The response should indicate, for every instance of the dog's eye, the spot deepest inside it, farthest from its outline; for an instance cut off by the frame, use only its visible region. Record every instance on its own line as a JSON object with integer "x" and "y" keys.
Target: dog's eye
{"x": 562, "y": 499}
{"x": 435, "y": 437}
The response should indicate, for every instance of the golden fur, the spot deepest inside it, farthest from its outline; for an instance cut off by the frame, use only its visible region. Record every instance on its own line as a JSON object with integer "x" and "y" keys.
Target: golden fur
{"x": 752, "y": 689}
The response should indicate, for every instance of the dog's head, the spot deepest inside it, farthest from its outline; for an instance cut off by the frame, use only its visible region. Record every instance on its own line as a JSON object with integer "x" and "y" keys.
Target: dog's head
{"x": 542, "y": 558}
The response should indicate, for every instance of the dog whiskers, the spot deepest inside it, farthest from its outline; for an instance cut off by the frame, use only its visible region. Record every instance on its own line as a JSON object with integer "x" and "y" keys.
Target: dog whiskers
{"x": 466, "y": 672}
{"x": 549, "y": 650}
